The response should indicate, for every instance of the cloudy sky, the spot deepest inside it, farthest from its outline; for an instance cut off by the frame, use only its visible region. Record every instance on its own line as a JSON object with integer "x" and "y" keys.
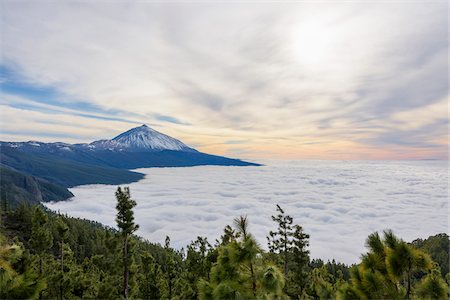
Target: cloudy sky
{"x": 334, "y": 80}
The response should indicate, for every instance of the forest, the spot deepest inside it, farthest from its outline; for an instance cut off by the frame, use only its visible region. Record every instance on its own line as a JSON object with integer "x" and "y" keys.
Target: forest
{"x": 45, "y": 255}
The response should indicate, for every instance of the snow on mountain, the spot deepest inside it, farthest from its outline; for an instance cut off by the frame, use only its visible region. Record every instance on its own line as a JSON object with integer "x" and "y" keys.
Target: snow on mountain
{"x": 142, "y": 138}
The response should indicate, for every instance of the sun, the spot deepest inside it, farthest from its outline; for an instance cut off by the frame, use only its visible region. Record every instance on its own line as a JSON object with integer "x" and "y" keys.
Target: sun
{"x": 312, "y": 44}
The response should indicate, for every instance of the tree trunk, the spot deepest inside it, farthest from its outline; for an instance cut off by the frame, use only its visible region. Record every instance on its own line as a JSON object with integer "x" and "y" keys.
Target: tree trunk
{"x": 40, "y": 273}
{"x": 285, "y": 265}
{"x": 285, "y": 255}
{"x": 170, "y": 288}
{"x": 40, "y": 265}
{"x": 149, "y": 287}
{"x": 408, "y": 289}
{"x": 125, "y": 268}
{"x": 62, "y": 271}
{"x": 253, "y": 279}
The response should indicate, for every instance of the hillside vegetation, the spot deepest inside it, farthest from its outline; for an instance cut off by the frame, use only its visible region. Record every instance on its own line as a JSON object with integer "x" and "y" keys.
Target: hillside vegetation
{"x": 16, "y": 188}
{"x": 35, "y": 178}
{"x": 50, "y": 256}
{"x": 64, "y": 172}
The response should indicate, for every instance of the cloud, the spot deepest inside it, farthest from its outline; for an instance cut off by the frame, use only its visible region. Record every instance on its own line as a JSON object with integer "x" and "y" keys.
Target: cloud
{"x": 170, "y": 119}
{"x": 408, "y": 197}
{"x": 275, "y": 75}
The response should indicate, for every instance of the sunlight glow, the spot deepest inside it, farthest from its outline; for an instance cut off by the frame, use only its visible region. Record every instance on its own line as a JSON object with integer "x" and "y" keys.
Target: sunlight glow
{"x": 313, "y": 43}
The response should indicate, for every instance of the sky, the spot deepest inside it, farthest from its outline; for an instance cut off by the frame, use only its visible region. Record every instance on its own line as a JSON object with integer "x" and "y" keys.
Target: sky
{"x": 290, "y": 80}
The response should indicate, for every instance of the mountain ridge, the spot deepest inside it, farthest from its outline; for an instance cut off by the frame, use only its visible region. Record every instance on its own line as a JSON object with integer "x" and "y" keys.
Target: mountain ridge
{"x": 100, "y": 162}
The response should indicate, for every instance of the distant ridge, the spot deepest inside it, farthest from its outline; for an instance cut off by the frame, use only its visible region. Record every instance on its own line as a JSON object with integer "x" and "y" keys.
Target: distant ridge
{"x": 100, "y": 162}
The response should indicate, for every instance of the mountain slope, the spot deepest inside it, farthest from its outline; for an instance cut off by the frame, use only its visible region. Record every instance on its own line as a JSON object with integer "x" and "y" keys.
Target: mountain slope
{"x": 65, "y": 172}
{"x": 165, "y": 158}
{"x": 17, "y": 187}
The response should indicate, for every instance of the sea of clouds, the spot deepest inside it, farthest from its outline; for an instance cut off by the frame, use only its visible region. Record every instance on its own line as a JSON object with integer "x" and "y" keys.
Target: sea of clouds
{"x": 337, "y": 202}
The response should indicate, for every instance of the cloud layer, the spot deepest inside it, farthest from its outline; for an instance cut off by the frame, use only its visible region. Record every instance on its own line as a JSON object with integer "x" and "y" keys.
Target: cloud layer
{"x": 299, "y": 80}
{"x": 337, "y": 203}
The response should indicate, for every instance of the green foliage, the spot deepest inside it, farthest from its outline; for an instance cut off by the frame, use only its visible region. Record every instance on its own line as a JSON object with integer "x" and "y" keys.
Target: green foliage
{"x": 432, "y": 286}
{"x": 229, "y": 235}
{"x": 272, "y": 281}
{"x": 17, "y": 282}
{"x": 388, "y": 269}
{"x": 62, "y": 229}
{"x": 41, "y": 239}
{"x": 200, "y": 257}
{"x": 126, "y": 225}
{"x": 438, "y": 248}
{"x": 290, "y": 243}
{"x": 150, "y": 274}
{"x": 240, "y": 271}
{"x": 335, "y": 269}
{"x": 280, "y": 241}
{"x": 56, "y": 257}
{"x": 125, "y": 215}
{"x": 169, "y": 269}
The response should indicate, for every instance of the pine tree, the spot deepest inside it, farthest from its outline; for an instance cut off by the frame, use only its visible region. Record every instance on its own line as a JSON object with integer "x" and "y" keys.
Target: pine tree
{"x": 280, "y": 241}
{"x": 41, "y": 240}
{"x": 15, "y": 283}
{"x": 229, "y": 235}
{"x": 199, "y": 259}
{"x": 299, "y": 260}
{"x": 226, "y": 279}
{"x": 85, "y": 276}
{"x": 272, "y": 281}
{"x": 126, "y": 225}
{"x": 387, "y": 270}
{"x": 169, "y": 267}
{"x": 150, "y": 276}
{"x": 240, "y": 271}
{"x": 432, "y": 286}
{"x": 63, "y": 231}
{"x": 290, "y": 244}
{"x": 249, "y": 248}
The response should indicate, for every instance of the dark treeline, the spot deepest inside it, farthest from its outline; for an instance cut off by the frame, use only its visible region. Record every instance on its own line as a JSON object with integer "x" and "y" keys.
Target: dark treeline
{"x": 44, "y": 255}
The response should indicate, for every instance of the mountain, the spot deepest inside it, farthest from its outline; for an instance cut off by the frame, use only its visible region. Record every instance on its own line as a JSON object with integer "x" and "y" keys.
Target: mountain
{"x": 100, "y": 162}
{"x": 141, "y": 139}
{"x": 139, "y": 147}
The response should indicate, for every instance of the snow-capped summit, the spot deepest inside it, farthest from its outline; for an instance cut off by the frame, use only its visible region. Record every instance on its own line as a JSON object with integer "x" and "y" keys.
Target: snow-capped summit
{"x": 142, "y": 138}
